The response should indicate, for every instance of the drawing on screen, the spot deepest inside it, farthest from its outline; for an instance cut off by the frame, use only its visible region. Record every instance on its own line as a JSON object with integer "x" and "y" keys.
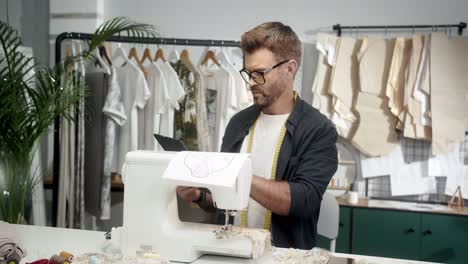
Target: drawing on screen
{"x": 203, "y": 166}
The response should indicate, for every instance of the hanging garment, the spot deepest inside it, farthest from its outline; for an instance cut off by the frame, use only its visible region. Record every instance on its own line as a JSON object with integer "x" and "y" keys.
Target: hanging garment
{"x": 321, "y": 99}
{"x": 116, "y": 117}
{"x": 70, "y": 211}
{"x": 298, "y": 78}
{"x": 67, "y": 164}
{"x": 395, "y": 90}
{"x": 375, "y": 135}
{"x": 413, "y": 127}
{"x": 176, "y": 93}
{"x": 67, "y": 135}
{"x": 221, "y": 101}
{"x": 374, "y": 64}
{"x": 344, "y": 83}
{"x": 155, "y": 106}
{"x": 190, "y": 122}
{"x": 449, "y": 96}
{"x": 422, "y": 85}
{"x": 135, "y": 92}
{"x": 185, "y": 120}
{"x": 240, "y": 87}
{"x": 97, "y": 81}
{"x": 77, "y": 220}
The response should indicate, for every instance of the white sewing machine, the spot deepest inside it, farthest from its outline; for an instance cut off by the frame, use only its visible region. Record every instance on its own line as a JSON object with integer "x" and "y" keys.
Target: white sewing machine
{"x": 151, "y": 220}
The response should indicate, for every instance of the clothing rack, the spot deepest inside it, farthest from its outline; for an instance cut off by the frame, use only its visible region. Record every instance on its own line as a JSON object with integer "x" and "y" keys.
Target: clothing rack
{"x": 461, "y": 26}
{"x": 122, "y": 39}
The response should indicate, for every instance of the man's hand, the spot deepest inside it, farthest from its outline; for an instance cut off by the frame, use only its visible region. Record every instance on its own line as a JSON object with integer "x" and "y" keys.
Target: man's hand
{"x": 188, "y": 194}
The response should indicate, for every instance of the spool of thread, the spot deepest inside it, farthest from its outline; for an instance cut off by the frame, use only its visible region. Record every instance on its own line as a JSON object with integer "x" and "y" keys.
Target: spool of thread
{"x": 353, "y": 197}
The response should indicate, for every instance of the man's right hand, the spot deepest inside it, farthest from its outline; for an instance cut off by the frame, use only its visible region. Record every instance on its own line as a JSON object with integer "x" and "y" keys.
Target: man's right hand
{"x": 188, "y": 194}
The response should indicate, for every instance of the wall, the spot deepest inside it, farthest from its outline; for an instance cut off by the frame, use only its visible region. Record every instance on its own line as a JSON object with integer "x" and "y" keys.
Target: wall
{"x": 229, "y": 19}
{"x": 14, "y": 13}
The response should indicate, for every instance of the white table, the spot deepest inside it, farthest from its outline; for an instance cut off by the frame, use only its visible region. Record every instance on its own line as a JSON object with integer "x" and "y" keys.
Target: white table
{"x": 43, "y": 242}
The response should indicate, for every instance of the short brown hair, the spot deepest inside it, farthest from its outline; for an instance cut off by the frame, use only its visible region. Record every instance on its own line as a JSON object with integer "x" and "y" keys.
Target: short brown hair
{"x": 278, "y": 38}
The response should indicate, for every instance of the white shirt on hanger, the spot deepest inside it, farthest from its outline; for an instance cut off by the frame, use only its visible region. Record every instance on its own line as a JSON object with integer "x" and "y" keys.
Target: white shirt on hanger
{"x": 156, "y": 105}
{"x": 240, "y": 87}
{"x": 221, "y": 82}
{"x": 135, "y": 92}
{"x": 175, "y": 92}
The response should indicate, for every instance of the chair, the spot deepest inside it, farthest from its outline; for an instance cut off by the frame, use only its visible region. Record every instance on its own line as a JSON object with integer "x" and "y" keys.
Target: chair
{"x": 329, "y": 217}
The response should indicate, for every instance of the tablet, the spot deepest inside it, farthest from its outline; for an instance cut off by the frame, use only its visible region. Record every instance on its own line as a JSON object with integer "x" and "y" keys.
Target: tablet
{"x": 170, "y": 144}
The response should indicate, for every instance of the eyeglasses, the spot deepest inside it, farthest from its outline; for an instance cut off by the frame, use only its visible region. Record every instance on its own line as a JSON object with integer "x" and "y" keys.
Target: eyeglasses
{"x": 258, "y": 76}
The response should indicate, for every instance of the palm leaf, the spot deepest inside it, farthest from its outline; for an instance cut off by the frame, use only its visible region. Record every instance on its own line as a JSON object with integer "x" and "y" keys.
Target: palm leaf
{"x": 118, "y": 26}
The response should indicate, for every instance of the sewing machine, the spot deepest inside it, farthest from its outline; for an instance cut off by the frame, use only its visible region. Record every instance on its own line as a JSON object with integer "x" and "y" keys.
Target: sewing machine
{"x": 151, "y": 221}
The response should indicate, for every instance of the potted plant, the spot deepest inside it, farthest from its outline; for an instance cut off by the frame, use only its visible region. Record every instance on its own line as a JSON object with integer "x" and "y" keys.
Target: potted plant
{"x": 31, "y": 99}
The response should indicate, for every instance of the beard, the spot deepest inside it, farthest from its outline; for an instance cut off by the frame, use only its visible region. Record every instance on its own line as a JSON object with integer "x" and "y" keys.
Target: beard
{"x": 265, "y": 96}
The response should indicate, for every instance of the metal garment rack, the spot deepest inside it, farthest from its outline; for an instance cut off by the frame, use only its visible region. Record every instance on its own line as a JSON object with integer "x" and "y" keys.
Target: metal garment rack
{"x": 122, "y": 39}
{"x": 460, "y": 26}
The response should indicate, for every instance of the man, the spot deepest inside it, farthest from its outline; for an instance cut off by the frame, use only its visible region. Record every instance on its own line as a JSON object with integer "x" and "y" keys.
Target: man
{"x": 285, "y": 136}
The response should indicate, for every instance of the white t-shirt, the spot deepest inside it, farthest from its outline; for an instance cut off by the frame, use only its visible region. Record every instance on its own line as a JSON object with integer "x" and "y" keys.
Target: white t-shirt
{"x": 221, "y": 82}
{"x": 265, "y": 139}
{"x": 156, "y": 105}
{"x": 134, "y": 91}
{"x": 175, "y": 92}
{"x": 240, "y": 87}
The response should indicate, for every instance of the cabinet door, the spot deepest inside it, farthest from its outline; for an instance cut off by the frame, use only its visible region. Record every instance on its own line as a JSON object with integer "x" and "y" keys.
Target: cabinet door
{"x": 386, "y": 233}
{"x": 344, "y": 232}
{"x": 444, "y": 238}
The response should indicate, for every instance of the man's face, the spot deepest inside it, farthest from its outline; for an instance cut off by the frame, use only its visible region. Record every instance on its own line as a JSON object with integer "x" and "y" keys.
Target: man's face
{"x": 275, "y": 81}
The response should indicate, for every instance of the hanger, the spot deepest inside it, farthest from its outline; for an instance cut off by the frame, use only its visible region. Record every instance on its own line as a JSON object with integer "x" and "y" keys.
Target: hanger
{"x": 185, "y": 57}
{"x": 222, "y": 56}
{"x": 120, "y": 53}
{"x": 210, "y": 55}
{"x": 103, "y": 52}
{"x": 147, "y": 55}
{"x": 100, "y": 61}
{"x": 203, "y": 54}
{"x": 174, "y": 55}
{"x": 159, "y": 55}
{"x": 133, "y": 54}
{"x": 68, "y": 54}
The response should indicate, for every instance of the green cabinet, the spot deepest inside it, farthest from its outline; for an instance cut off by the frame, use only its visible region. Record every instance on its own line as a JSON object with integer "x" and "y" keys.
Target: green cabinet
{"x": 344, "y": 233}
{"x": 386, "y": 233}
{"x": 410, "y": 235}
{"x": 444, "y": 238}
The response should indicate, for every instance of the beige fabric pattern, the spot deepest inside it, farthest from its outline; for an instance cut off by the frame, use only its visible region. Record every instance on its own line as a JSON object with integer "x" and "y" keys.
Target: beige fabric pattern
{"x": 376, "y": 134}
{"x": 449, "y": 92}
{"x": 395, "y": 90}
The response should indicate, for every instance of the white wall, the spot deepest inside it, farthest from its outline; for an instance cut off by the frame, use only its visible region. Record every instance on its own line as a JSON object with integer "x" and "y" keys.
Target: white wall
{"x": 14, "y": 13}
{"x": 217, "y": 19}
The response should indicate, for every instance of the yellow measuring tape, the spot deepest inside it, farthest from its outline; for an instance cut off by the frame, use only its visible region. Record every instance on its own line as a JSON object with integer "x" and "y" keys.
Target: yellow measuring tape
{"x": 267, "y": 225}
